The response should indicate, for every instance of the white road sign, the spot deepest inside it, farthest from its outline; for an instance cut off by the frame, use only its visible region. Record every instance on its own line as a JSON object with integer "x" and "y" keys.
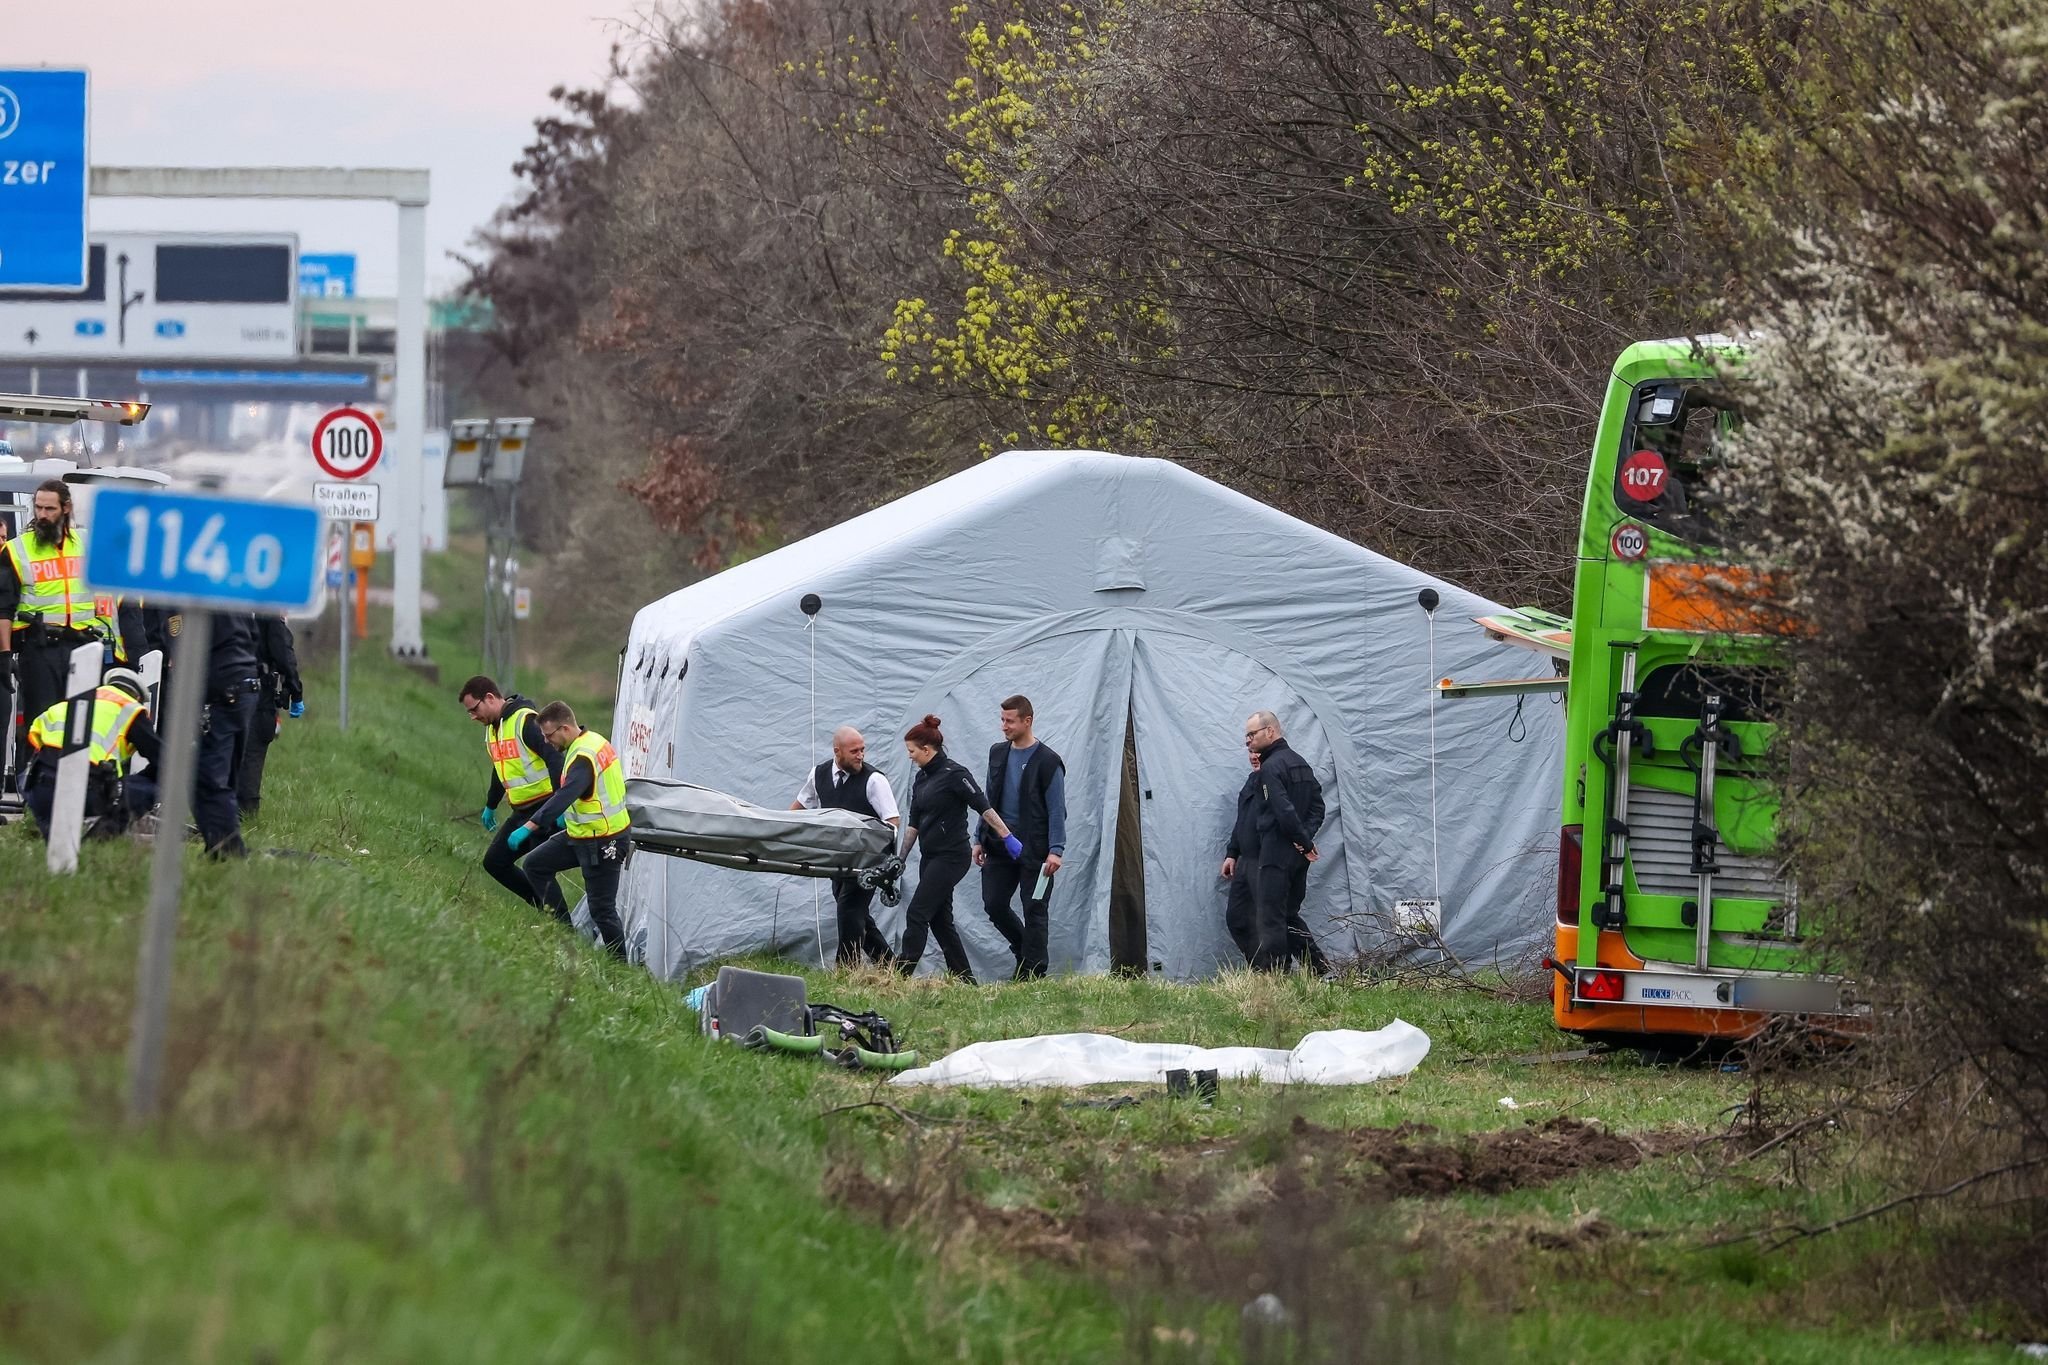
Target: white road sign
{"x": 347, "y": 501}
{"x": 347, "y": 443}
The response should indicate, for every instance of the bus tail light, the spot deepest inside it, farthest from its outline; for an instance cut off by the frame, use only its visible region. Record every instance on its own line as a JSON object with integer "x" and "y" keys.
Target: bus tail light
{"x": 1571, "y": 843}
{"x": 1600, "y": 985}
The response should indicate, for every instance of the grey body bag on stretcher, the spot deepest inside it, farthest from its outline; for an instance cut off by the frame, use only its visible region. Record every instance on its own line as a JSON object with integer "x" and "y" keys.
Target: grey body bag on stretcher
{"x": 685, "y": 821}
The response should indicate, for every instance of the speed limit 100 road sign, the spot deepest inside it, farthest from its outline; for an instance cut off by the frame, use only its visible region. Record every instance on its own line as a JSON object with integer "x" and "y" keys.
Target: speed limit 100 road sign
{"x": 347, "y": 443}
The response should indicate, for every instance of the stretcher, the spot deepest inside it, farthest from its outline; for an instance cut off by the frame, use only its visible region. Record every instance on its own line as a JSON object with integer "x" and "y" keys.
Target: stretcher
{"x": 679, "y": 820}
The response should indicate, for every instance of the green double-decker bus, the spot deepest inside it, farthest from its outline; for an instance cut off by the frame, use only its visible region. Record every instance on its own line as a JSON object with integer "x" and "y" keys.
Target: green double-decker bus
{"x": 1673, "y": 913}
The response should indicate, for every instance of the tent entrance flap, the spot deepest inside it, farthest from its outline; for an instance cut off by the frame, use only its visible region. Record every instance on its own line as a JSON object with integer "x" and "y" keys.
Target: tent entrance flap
{"x": 1127, "y": 872}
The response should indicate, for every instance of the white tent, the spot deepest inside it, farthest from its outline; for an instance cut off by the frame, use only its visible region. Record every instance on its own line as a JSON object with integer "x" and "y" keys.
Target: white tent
{"x": 1112, "y": 591}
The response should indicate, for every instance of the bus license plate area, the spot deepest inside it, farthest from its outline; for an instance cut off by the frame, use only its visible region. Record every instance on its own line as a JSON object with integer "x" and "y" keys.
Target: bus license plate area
{"x": 1788, "y": 995}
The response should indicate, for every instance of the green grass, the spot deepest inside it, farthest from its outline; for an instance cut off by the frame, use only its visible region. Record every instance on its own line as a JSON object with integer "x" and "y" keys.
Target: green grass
{"x": 407, "y": 1120}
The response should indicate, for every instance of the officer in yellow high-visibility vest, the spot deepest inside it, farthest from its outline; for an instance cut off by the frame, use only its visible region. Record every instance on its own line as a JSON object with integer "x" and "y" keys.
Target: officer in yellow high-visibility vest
{"x": 121, "y": 731}
{"x": 525, "y": 770}
{"x": 590, "y": 804}
{"x": 45, "y": 610}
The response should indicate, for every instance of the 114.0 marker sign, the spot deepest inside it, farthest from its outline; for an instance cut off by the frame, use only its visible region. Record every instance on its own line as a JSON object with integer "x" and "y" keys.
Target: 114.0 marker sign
{"x": 199, "y": 551}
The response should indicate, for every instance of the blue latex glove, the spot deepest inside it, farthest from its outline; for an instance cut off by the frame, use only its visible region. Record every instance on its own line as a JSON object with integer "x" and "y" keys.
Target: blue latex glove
{"x": 1013, "y": 846}
{"x": 518, "y": 837}
{"x": 298, "y": 709}
{"x": 489, "y": 817}
{"x": 562, "y": 820}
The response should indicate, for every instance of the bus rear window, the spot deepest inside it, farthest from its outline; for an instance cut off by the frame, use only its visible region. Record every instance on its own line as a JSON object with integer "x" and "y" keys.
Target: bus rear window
{"x": 1670, "y": 448}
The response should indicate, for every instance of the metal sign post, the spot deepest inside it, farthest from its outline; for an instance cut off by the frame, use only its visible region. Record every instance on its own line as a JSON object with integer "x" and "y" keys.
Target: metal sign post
{"x": 201, "y": 552}
{"x": 167, "y": 873}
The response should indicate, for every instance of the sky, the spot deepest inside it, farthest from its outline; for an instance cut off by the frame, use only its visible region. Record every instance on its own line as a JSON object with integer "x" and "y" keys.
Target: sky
{"x": 450, "y": 85}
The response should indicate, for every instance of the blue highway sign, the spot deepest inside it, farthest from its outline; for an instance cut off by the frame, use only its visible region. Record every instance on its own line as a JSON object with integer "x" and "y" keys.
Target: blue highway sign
{"x": 204, "y": 551}
{"x": 43, "y": 179}
{"x": 328, "y": 275}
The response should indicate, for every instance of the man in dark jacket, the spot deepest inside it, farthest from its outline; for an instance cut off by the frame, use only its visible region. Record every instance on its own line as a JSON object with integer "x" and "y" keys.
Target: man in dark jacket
{"x": 1241, "y": 865}
{"x": 846, "y": 782}
{"x": 278, "y": 668}
{"x": 1027, "y": 782}
{"x": 1287, "y": 812}
{"x": 228, "y": 704}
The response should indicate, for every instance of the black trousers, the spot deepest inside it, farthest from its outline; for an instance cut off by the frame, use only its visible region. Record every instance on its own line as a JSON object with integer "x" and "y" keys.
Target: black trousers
{"x": 858, "y": 932}
{"x": 115, "y": 803}
{"x": 255, "y": 752}
{"x": 931, "y": 912}
{"x": 44, "y": 669}
{"x": 1280, "y": 935}
{"x": 602, "y": 860}
{"x": 502, "y": 863}
{"x": 1002, "y": 877}
{"x": 219, "y": 767}
{"x": 1241, "y": 916}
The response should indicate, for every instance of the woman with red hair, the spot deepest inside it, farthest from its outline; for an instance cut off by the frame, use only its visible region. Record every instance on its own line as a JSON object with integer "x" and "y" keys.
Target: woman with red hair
{"x": 940, "y": 798}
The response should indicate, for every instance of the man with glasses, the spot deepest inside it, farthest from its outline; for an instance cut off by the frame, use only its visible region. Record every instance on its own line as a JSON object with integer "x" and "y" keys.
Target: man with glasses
{"x": 1284, "y": 813}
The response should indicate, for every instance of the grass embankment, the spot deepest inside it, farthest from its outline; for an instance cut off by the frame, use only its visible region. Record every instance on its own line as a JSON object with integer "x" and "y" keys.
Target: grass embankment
{"x": 407, "y": 1120}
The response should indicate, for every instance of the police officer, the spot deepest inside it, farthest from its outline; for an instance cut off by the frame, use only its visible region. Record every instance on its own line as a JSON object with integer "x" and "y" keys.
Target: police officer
{"x": 1027, "y": 781}
{"x": 1241, "y": 864}
{"x": 846, "y": 782}
{"x": 590, "y": 803}
{"x": 45, "y": 610}
{"x": 1287, "y": 813}
{"x": 227, "y": 707}
{"x": 277, "y": 667}
{"x": 525, "y": 770}
{"x": 121, "y": 730}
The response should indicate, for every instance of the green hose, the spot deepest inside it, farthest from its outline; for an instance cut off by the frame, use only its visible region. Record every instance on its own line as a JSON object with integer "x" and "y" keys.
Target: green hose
{"x": 763, "y": 1036}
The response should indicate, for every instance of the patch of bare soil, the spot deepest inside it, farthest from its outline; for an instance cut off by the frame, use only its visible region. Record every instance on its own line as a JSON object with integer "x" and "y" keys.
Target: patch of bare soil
{"x": 1402, "y": 1163}
{"x": 1212, "y": 1218}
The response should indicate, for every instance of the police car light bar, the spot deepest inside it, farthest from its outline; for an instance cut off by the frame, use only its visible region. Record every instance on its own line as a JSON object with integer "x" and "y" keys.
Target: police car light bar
{"x": 34, "y": 407}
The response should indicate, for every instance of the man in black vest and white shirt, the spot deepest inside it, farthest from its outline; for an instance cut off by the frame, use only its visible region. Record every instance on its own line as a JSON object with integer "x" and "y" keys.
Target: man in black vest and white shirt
{"x": 1027, "y": 781}
{"x": 846, "y": 782}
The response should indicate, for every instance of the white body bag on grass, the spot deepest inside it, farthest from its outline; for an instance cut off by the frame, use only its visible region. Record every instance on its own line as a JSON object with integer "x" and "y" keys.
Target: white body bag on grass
{"x": 1335, "y": 1057}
